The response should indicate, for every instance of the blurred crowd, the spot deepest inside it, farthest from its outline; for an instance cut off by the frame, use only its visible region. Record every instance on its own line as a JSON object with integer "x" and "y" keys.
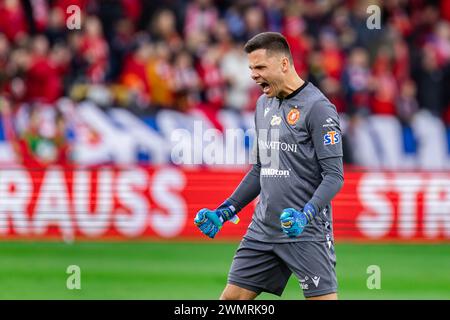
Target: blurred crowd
{"x": 149, "y": 55}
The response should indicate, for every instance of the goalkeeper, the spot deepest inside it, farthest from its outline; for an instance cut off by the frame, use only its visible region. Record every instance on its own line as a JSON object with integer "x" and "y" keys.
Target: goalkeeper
{"x": 298, "y": 171}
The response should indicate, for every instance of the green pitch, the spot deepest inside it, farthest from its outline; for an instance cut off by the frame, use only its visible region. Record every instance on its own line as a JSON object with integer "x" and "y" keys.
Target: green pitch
{"x": 198, "y": 270}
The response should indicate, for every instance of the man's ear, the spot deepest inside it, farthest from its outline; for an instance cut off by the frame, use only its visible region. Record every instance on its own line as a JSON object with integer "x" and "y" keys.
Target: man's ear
{"x": 285, "y": 64}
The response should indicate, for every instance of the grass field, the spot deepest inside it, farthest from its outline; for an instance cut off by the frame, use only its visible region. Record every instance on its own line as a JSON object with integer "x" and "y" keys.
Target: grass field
{"x": 149, "y": 270}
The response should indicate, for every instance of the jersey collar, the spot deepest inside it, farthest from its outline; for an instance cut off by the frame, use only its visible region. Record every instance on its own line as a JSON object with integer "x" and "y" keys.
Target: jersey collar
{"x": 295, "y": 92}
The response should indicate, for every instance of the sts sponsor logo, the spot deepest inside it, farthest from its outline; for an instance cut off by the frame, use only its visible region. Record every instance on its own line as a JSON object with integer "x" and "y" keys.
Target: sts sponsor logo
{"x": 331, "y": 137}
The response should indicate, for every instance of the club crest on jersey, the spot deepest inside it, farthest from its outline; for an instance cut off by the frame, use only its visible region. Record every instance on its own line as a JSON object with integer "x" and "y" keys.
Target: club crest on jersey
{"x": 276, "y": 120}
{"x": 293, "y": 116}
{"x": 331, "y": 137}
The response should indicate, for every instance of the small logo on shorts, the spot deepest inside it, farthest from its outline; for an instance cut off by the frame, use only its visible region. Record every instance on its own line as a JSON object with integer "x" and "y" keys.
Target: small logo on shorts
{"x": 329, "y": 241}
{"x": 303, "y": 283}
{"x": 316, "y": 280}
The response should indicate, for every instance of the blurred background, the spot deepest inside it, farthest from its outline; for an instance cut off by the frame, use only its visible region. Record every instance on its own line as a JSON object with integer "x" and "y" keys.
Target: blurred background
{"x": 92, "y": 91}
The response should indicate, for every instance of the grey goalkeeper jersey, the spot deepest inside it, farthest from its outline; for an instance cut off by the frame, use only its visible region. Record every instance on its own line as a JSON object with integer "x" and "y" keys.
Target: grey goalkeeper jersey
{"x": 298, "y": 151}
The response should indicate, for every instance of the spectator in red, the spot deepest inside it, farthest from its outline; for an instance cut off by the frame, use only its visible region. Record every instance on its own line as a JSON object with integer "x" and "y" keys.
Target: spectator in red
{"x": 331, "y": 55}
{"x": 384, "y": 85}
{"x": 294, "y": 30}
{"x": 213, "y": 84}
{"x": 132, "y": 9}
{"x": 398, "y": 19}
{"x": 12, "y": 20}
{"x": 60, "y": 56}
{"x": 186, "y": 81}
{"x": 43, "y": 79}
{"x": 134, "y": 75}
{"x": 445, "y": 9}
{"x": 94, "y": 50}
{"x": 401, "y": 60}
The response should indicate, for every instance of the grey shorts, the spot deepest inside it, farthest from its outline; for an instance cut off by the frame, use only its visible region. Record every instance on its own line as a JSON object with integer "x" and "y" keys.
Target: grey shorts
{"x": 266, "y": 267}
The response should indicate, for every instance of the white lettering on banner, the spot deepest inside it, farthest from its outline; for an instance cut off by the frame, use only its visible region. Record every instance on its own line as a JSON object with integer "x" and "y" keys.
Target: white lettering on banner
{"x": 437, "y": 208}
{"x": 172, "y": 223}
{"x": 377, "y": 218}
{"x": 15, "y": 193}
{"x": 33, "y": 202}
{"x": 133, "y": 221}
{"x": 407, "y": 187}
{"x": 52, "y": 207}
{"x": 92, "y": 223}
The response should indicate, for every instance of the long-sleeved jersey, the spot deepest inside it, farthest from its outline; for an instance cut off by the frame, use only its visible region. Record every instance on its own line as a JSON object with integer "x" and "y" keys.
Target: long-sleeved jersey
{"x": 298, "y": 151}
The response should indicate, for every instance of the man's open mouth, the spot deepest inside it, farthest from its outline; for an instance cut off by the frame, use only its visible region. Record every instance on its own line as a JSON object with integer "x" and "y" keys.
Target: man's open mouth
{"x": 264, "y": 86}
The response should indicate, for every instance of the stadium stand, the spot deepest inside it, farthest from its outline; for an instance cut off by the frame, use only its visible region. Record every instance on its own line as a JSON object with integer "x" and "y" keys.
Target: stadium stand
{"x": 116, "y": 90}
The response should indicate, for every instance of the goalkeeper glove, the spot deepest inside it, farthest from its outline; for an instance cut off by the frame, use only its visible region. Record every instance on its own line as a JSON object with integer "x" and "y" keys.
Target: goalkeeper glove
{"x": 293, "y": 222}
{"x": 210, "y": 221}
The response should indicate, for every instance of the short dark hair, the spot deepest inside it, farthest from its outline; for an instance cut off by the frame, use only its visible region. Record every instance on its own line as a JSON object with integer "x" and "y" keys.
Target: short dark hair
{"x": 271, "y": 41}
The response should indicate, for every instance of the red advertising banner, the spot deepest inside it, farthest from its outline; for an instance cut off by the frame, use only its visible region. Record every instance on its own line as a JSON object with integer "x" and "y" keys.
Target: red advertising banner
{"x": 161, "y": 202}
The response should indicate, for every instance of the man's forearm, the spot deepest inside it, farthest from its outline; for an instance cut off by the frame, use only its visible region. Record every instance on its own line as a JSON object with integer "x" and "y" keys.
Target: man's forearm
{"x": 331, "y": 184}
{"x": 248, "y": 189}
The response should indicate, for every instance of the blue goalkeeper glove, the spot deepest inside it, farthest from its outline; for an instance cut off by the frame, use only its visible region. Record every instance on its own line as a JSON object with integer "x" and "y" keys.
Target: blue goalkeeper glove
{"x": 210, "y": 221}
{"x": 293, "y": 222}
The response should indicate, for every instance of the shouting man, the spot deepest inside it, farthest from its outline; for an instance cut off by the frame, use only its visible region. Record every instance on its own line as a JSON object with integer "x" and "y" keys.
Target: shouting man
{"x": 297, "y": 173}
